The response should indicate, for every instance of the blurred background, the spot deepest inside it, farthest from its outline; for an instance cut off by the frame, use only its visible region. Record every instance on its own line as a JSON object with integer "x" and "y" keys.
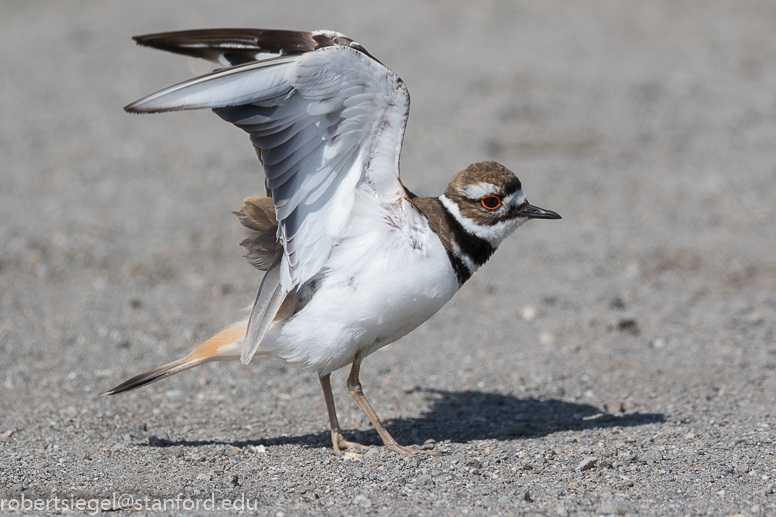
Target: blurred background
{"x": 649, "y": 126}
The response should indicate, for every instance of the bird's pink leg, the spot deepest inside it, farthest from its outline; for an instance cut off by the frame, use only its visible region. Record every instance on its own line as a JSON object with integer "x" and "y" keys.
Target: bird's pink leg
{"x": 337, "y": 440}
{"x": 354, "y": 385}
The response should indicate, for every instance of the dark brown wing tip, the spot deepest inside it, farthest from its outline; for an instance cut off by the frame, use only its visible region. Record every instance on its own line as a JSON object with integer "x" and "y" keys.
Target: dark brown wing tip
{"x": 159, "y": 39}
{"x": 241, "y": 45}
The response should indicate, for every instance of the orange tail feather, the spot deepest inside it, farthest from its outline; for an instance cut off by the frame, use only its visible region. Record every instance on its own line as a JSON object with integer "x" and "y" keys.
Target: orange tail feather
{"x": 224, "y": 345}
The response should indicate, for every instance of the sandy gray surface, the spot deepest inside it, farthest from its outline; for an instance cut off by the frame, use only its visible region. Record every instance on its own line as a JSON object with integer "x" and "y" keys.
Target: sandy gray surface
{"x": 620, "y": 361}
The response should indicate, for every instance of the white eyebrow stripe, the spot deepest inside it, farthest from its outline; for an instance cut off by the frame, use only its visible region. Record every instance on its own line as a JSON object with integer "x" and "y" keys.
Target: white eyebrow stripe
{"x": 482, "y": 189}
{"x": 514, "y": 199}
{"x": 479, "y": 190}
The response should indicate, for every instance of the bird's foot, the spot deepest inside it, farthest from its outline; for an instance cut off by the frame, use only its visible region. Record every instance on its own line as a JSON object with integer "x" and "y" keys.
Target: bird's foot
{"x": 400, "y": 449}
{"x": 339, "y": 443}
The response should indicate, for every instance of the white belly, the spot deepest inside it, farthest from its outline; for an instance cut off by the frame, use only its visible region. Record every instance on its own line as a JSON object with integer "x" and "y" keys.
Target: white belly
{"x": 380, "y": 283}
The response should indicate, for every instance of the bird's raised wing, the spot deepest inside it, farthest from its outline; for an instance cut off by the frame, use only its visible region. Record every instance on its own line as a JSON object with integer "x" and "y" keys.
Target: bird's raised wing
{"x": 232, "y": 47}
{"x": 325, "y": 115}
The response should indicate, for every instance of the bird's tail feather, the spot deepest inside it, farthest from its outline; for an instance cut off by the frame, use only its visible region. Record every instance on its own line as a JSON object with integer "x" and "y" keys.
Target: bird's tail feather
{"x": 265, "y": 309}
{"x": 224, "y": 345}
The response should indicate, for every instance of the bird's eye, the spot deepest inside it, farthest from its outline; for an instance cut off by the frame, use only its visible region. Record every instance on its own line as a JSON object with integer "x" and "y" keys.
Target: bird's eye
{"x": 491, "y": 202}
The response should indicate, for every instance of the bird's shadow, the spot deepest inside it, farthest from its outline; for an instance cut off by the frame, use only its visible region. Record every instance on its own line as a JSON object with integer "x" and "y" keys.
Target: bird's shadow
{"x": 462, "y": 416}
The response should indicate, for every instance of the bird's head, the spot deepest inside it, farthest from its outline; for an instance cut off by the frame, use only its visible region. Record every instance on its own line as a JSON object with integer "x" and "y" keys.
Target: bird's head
{"x": 487, "y": 199}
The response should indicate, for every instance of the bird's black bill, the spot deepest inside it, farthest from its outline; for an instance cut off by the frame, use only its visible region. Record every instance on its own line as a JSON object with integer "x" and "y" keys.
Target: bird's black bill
{"x": 534, "y": 212}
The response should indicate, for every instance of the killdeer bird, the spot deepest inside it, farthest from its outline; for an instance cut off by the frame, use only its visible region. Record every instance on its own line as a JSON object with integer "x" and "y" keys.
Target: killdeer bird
{"x": 353, "y": 260}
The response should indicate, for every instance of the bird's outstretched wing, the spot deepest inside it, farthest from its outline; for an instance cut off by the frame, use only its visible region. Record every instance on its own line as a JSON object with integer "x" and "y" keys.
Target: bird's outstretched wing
{"x": 326, "y": 118}
{"x": 232, "y": 47}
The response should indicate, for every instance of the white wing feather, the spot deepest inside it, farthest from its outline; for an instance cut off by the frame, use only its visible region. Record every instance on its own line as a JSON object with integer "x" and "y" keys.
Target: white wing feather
{"x": 326, "y": 122}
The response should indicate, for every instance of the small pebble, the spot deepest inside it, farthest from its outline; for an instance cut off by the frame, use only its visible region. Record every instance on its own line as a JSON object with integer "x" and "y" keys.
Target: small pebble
{"x": 628, "y": 325}
{"x": 657, "y": 343}
{"x": 428, "y": 445}
{"x": 528, "y": 312}
{"x": 587, "y": 464}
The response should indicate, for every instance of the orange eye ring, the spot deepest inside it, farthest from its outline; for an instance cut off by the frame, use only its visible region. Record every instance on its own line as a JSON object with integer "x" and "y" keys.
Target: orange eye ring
{"x": 491, "y": 202}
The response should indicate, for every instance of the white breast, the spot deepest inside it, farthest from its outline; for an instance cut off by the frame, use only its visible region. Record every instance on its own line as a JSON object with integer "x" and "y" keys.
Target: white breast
{"x": 387, "y": 276}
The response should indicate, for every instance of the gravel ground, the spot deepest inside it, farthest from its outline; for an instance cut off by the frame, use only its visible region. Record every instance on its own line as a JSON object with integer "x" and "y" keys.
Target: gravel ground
{"x": 620, "y": 361}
